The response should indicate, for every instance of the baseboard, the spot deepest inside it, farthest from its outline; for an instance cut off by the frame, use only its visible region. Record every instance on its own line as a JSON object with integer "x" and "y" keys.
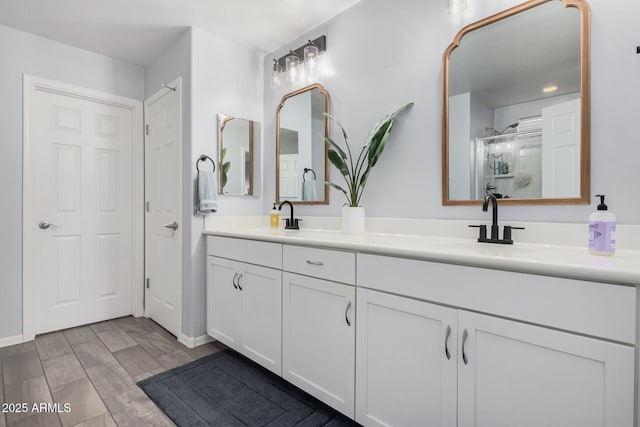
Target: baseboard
{"x": 192, "y": 342}
{"x": 7, "y": 341}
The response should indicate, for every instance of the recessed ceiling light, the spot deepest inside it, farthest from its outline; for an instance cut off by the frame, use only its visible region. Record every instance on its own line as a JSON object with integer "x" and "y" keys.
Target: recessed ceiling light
{"x": 550, "y": 89}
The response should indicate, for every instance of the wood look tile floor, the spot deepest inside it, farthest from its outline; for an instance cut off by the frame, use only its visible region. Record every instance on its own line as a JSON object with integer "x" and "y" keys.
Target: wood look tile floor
{"x": 94, "y": 368}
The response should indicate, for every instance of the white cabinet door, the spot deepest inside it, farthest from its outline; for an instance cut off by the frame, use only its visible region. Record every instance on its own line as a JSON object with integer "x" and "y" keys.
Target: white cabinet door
{"x": 523, "y": 375}
{"x": 261, "y": 315}
{"x": 223, "y": 301}
{"x": 406, "y": 366}
{"x": 319, "y": 339}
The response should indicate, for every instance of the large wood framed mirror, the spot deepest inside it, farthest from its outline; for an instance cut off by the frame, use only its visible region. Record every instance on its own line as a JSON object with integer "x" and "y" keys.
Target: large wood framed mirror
{"x": 302, "y": 165}
{"x": 236, "y": 140}
{"x": 516, "y": 107}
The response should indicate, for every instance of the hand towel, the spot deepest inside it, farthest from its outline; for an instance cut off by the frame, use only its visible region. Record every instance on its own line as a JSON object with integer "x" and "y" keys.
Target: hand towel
{"x": 207, "y": 202}
{"x": 309, "y": 190}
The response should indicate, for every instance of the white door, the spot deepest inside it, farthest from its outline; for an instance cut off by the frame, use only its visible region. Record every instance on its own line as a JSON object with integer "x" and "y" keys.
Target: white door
{"x": 261, "y": 315}
{"x": 406, "y": 362}
{"x": 522, "y": 375}
{"x": 163, "y": 251}
{"x": 561, "y": 150}
{"x": 79, "y": 219}
{"x": 318, "y": 343}
{"x": 223, "y": 301}
{"x": 290, "y": 185}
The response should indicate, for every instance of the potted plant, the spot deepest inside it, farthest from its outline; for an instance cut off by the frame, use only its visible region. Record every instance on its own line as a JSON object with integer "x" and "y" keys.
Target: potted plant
{"x": 355, "y": 171}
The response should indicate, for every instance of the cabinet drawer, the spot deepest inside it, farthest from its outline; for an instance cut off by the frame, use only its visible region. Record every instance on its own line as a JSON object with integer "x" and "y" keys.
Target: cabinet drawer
{"x": 337, "y": 266}
{"x": 252, "y": 251}
{"x": 590, "y": 308}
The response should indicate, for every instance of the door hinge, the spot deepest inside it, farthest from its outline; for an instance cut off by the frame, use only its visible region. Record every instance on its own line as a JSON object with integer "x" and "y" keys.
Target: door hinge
{"x": 147, "y": 283}
{"x": 146, "y": 129}
{"x": 147, "y": 206}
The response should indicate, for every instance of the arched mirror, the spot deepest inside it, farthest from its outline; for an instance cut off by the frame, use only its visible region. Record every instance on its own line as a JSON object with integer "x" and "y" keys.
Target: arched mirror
{"x": 516, "y": 107}
{"x": 236, "y": 138}
{"x": 301, "y": 153}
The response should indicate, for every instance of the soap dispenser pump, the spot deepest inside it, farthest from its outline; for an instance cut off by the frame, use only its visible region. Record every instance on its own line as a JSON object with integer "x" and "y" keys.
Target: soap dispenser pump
{"x": 602, "y": 230}
{"x": 274, "y": 218}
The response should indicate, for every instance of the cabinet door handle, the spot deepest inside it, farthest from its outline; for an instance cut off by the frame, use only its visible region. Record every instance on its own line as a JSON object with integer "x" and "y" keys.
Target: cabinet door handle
{"x": 315, "y": 262}
{"x": 446, "y": 342}
{"x": 465, "y": 335}
{"x": 234, "y": 280}
{"x": 240, "y": 277}
{"x": 346, "y": 314}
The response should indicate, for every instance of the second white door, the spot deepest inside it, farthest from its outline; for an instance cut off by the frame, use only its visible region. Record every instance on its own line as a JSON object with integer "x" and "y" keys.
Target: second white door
{"x": 163, "y": 252}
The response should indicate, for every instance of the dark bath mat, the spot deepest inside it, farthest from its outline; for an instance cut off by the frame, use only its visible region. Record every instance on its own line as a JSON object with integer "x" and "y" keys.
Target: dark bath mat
{"x": 227, "y": 389}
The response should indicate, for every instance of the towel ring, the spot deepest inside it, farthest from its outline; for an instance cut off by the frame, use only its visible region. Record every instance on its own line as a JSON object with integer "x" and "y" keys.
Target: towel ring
{"x": 204, "y": 158}
{"x": 305, "y": 172}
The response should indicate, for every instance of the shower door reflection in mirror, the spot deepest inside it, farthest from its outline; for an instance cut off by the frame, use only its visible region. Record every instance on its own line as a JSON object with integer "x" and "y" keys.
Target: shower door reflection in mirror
{"x": 301, "y": 153}
{"x": 237, "y": 138}
{"x": 516, "y": 107}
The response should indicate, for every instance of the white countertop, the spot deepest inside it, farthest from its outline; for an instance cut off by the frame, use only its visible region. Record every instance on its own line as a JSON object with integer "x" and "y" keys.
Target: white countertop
{"x": 549, "y": 260}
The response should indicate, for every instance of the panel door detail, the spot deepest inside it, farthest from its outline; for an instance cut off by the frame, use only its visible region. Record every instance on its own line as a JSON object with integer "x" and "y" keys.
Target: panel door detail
{"x": 81, "y": 193}
{"x": 406, "y": 364}
{"x": 163, "y": 217}
{"x": 319, "y": 339}
{"x": 513, "y": 374}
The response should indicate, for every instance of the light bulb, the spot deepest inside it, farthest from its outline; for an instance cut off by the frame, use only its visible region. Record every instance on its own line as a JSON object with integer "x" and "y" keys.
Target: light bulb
{"x": 291, "y": 65}
{"x": 455, "y": 6}
{"x": 311, "y": 52}
{"x": 276, "y": 74}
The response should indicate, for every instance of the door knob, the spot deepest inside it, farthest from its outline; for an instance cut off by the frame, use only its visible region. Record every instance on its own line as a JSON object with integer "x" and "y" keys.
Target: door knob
{"x": 173, "y": 226}
{"x": 45, "y": 225}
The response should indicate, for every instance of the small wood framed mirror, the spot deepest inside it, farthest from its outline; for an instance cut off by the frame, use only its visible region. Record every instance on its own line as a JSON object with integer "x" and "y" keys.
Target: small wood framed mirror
{"x": 302, "y": 165}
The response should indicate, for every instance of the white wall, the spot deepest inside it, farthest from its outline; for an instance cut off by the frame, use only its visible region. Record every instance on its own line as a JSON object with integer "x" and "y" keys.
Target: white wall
{"x": 459, "y": 143}
{"x": 25, "y": 53}
{"x": 505, "y": 116}
{"x": 384, "y": 55}
{"x": 225, "y": 78}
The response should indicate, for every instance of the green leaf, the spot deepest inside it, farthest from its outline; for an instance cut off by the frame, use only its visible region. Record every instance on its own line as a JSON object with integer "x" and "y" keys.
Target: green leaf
{"x": 344, "y": 132}
{"x": 334, "y": 145}
{"x": 337, "y": 161}
{"x": 378, "y": 143}
{"x": 337, "y": 187}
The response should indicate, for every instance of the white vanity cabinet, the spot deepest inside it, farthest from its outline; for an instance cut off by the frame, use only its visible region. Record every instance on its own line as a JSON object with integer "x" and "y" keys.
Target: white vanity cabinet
{"x": 244, "y": 303}
{"x": 508, "y": 372}
{"x": 406, "y": 366}
{"x": 514, "y": 374}
{"x": 319, "y": 325}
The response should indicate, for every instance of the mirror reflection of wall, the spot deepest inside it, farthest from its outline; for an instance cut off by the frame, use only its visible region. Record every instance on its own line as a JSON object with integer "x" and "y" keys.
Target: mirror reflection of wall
{"x": 302, "y": 162}
{"x": 237, "y": 138}
{"x": 515, "y": 106}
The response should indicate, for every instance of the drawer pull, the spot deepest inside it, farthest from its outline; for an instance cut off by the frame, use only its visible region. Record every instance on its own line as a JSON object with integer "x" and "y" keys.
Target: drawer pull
{"x": 446, "y": 342}
{"x": 234, "y": 280}
{"x": 346, "y": 314}
{"x": 465, "y": 335}
{"x": 240, "y": 277}
{"x": 315, "y": 262}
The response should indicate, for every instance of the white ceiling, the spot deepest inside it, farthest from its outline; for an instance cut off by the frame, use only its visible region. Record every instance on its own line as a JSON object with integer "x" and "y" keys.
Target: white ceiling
{"x": 136, "y": 31}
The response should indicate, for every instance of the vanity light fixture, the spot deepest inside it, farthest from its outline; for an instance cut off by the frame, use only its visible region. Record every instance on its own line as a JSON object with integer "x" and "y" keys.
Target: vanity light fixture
{"x": 549, "y": 89}
{"x": 299, "y": 64}
{"x": 455, "y": 6}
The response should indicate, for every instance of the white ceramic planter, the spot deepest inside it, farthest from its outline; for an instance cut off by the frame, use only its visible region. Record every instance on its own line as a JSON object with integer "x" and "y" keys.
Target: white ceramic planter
{"x": 352, "y": 220}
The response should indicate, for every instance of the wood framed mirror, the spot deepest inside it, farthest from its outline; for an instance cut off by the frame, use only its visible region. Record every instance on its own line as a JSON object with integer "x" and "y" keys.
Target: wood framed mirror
{"x": 516, "y": 107}
{"x": 236, "y": 138}
{"x": 302, "y": 165}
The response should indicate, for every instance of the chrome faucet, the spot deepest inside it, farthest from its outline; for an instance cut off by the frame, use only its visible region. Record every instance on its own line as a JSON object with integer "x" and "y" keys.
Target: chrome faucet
{"x": 495, "y": 228}
{"x": 290, "y": 223}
